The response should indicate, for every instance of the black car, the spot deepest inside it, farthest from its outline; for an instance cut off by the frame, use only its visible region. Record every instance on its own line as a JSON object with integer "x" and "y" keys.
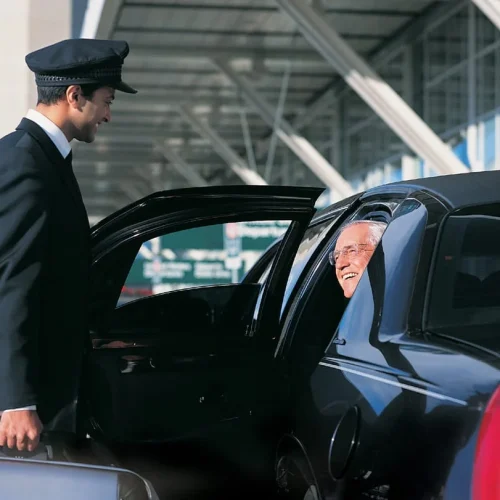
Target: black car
{"x": 381, "y": 396}
{"x": 394, "y": 393}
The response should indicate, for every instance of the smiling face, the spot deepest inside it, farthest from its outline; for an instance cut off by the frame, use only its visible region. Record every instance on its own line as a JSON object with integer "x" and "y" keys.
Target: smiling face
{"x": 91, "y": 112}
{"x": 352, "y": 254}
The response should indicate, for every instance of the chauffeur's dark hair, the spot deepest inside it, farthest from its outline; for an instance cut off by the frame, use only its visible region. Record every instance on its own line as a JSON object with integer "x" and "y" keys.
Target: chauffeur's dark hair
{"x": 52, "y": 95}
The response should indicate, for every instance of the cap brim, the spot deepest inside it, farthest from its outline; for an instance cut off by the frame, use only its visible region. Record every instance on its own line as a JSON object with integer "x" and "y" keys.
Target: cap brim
{"x": 123, "y": 87}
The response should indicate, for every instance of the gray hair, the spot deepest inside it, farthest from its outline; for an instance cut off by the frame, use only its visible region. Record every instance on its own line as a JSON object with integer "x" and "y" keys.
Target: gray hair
{"x": 376, "y": 229}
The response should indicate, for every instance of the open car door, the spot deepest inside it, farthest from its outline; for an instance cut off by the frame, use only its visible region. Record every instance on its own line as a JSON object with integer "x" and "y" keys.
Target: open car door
{"x": 191, "y": 361}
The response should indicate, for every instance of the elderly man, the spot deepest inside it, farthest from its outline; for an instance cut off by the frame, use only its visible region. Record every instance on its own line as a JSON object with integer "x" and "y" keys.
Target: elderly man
{"x": 353, "y": 251}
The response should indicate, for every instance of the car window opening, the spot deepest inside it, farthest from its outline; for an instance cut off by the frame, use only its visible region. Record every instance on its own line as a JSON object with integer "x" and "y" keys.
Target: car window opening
{"x": 465, "y": 296}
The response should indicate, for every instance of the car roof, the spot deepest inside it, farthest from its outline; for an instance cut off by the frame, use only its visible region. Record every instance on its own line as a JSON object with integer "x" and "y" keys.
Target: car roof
{"x": 458, "y": 190}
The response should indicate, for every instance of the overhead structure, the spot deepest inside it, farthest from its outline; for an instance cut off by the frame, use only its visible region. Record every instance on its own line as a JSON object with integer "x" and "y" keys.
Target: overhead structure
{"x": 491, "y": 9}
{"x": 181, "y": 166}
{"x": 234, "y": 161}
{"x": 384, "y": 53}
{"x": 298, "y": 144}
{"x": 398, "y": 115}
{"x": 269, "y": 80}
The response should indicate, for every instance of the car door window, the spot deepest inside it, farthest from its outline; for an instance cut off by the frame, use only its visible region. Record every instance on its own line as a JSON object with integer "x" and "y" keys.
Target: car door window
{"x": 322, "y": 318}
{"x": 380, "y": 304}
{"x": 465, "y": 297}
{"x": 212, "y": 255}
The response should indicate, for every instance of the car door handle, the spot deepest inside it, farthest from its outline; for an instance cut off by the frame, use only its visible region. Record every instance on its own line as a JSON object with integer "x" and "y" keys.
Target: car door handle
{"x": 133, "y": 363}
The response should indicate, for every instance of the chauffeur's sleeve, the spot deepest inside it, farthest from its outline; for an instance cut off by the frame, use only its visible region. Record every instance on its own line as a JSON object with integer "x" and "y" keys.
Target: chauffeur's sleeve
{"x": 23, "y": 246}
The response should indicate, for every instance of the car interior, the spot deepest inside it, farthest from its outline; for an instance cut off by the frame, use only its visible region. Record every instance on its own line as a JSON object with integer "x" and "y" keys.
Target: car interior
{"x": 465, "y": 300}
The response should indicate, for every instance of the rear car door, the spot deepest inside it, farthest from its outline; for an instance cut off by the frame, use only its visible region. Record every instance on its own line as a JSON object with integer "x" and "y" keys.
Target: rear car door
{"x": 190, "y": 361}
{"x": 358, "y": 399}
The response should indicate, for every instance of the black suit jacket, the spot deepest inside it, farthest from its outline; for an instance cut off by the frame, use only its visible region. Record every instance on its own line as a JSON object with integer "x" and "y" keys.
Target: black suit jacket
{"x": 44, "y": 274}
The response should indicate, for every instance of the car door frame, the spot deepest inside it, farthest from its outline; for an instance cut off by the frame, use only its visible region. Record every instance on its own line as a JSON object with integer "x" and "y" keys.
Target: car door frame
{"x": 232, "y": 205}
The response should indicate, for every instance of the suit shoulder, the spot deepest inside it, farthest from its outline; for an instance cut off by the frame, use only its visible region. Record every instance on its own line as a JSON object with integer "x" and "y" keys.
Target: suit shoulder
{"x": 17, "y": 152}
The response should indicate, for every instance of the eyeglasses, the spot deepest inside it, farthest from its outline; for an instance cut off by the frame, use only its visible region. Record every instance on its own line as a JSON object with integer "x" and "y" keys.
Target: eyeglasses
{"x": 350, "y": 251}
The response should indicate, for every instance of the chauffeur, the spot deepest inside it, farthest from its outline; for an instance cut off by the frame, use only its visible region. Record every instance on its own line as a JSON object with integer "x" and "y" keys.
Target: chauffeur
{"x": 44, "y": 238}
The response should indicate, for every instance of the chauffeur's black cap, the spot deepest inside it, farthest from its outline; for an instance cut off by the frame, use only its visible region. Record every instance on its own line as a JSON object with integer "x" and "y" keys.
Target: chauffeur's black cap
{"x": 80, "y": 61}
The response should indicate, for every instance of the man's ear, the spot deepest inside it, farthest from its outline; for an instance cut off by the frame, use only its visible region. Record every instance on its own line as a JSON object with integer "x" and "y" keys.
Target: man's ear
{"x": 74, "y": 96}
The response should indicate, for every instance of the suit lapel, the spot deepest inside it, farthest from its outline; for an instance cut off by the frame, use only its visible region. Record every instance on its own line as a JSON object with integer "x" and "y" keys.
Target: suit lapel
{"x": 63, "y": 167}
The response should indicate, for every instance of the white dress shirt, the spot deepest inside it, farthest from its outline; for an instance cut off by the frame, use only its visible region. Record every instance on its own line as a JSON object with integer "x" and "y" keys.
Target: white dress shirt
{"x": 59, "y": 139}
{"x": 52, "y": 130}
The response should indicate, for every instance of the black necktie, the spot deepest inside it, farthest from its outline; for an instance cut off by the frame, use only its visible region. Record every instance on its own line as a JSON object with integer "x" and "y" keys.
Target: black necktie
{"x": 70, "y": 175}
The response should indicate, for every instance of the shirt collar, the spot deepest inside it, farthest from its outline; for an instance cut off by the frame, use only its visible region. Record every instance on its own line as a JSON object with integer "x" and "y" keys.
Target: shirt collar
{"x": 52, "y": 130}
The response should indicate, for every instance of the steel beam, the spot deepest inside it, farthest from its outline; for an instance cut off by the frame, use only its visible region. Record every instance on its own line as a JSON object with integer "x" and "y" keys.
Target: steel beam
{"x": 491, "y": 9}
{"x": 181, "y": 166}
{"x": 131, "y": 191}
{"x": 102, "y": 201}
{"x": 112, "y": 181}
{"x": 235, "y": 162}
{"x": 299, "y": 145}
{"x": 158, "y": 104}
{"x": 155, "y": 133}
{"x": 372, "y": 89}
{"x": 188, "y": 51}
{"x": 380, "y": 56}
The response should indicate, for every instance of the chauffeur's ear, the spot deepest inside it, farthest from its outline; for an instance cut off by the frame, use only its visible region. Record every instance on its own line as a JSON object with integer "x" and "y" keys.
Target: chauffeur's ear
{"x": 74, "y": 96}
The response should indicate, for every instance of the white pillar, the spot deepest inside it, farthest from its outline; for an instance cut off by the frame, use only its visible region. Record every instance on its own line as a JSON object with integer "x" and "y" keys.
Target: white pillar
{"x": 372, "y": 89}
{"x": 26, "y": 25}
{"x": 491, "y": 9}
{"x": 409, "y": 167}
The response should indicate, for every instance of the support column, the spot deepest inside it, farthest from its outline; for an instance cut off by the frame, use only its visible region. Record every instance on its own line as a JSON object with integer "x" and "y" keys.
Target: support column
{"x": 182, "y": 167}
{"x": 100, "y": 17}
{"x": 472, "y": 127}
{"x": 491, "y": 9}
{"x": 372, "y": 89}
{"x": 409, "y": 168}
{"x": 497, "y": 104}
{"x": 26, "y": 25}
{"x": 235, "y": 162}
{"x": 299, "y": 145}
{"x": 337, "y": 138}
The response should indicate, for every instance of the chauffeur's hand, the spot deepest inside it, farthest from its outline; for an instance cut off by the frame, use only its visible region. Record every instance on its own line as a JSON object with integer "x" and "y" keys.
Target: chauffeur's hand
{"x": 20, "y": 429}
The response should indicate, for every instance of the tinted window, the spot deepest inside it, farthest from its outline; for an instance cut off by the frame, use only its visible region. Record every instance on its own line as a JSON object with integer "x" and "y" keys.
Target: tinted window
{"x": 465, "y": 297}
{"x": 310, "y": 242}
{"x": 380, "y": 304}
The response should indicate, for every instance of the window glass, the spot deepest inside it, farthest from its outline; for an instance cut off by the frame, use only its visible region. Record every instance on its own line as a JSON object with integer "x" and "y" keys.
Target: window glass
{"x": 465, "y": 296}
{"x": 376, "y": 306}
{"x": 310, "y": 242}
{"x": 210, "y": 255}
{"x": 380, "y": 304}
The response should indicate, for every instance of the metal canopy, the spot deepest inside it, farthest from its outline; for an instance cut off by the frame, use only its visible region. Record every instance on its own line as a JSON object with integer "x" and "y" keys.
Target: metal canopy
{"x": 172, "y": 46}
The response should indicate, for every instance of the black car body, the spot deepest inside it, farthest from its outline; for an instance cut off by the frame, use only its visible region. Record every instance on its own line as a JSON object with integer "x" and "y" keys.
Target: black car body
{"x": 379, "y": 397}
{"x": 393, "y": 392}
